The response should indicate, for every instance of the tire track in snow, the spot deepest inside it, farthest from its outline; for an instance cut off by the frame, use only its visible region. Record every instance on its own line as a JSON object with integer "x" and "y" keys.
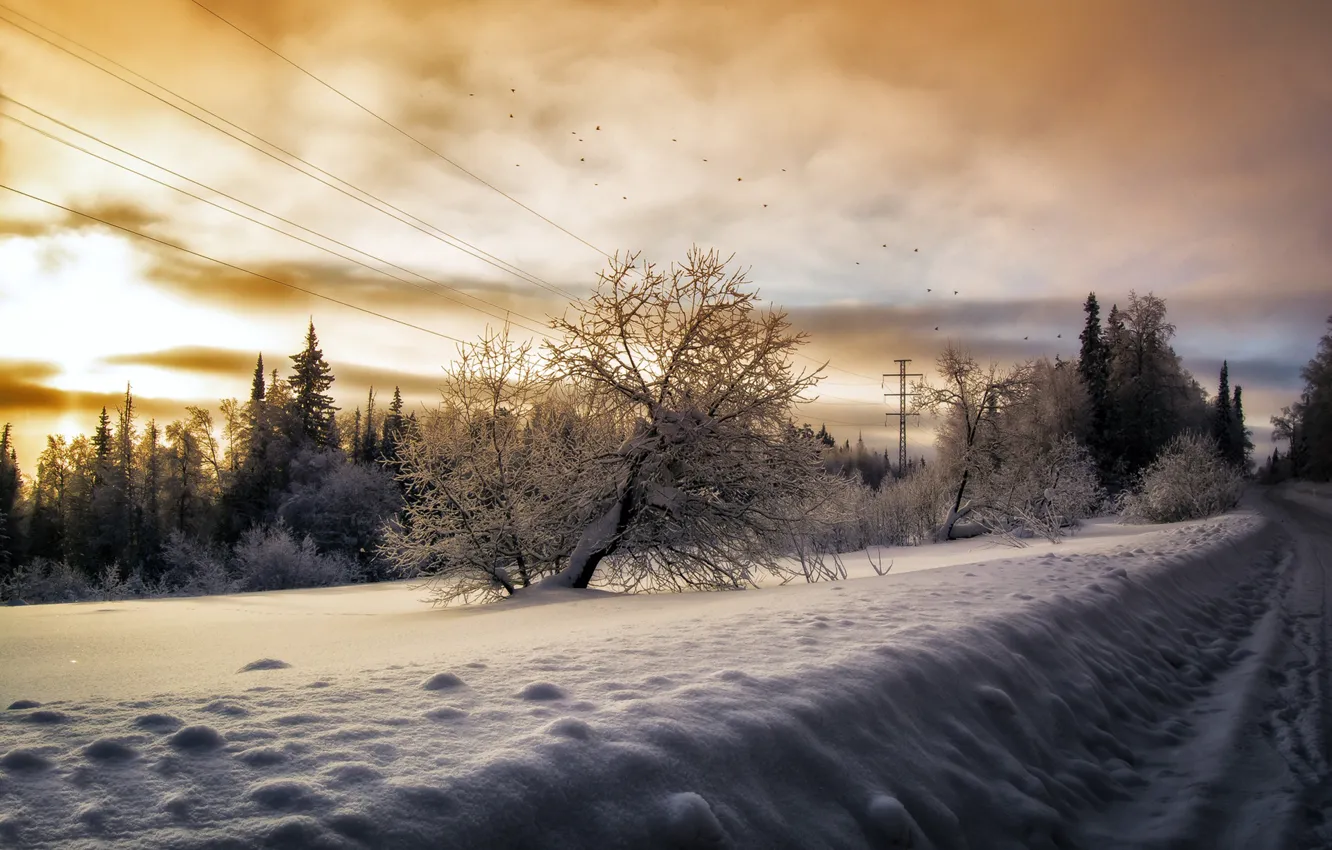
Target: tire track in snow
{"x": 1256, "y": 775}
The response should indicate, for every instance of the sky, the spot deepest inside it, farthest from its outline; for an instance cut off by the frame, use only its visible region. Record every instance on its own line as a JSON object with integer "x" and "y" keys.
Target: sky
{"x": 880, "y": 169}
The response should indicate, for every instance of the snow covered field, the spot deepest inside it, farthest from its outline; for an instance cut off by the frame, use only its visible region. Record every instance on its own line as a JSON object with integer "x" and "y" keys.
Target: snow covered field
{"x": 975, "y": 697}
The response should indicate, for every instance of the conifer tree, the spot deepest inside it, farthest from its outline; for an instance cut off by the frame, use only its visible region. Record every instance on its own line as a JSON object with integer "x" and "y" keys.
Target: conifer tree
{"x": 393, "y": 425}
{"x": 1223, "y": 425}
{"x": 10, "y": 485}
{"x": 310, "y": 379}
{"x": 1094, "y": 369}
{"x": 102, "y": 446}
{"x": 369, "y": 445}
{"x": 1241, "y": 436}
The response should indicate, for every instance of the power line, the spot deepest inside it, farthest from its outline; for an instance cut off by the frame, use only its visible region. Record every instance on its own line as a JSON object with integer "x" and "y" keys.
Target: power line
{"x": 432, "y": 150}
{"x": 241, "y": 269}
{"x": 395, "y": 127}
{"x": 505, "y": 318}
{"x": 474, "y": 251}
{"x": 463, "y": 246}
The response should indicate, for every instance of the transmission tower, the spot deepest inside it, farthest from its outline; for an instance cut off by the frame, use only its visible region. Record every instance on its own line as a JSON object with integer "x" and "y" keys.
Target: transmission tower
{"x": 902, "y": 413}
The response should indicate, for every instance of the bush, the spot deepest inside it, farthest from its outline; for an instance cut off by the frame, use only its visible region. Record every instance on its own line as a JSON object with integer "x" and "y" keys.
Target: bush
{"x": 194, "y": 568}
{"x": 902, "y": 512}
{"x": 1188, "y": 480}
{"x": 270, "y": 558}
{"x": 45, "y": 580}
{"x": 341, "y": 506}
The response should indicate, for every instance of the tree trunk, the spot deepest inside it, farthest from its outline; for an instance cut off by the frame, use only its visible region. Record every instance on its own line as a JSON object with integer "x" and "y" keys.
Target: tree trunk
{"x": 956, "y": 513}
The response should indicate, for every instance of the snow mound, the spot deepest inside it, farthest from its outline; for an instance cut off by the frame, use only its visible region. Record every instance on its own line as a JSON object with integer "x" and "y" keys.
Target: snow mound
{"x": 264, "y": 664}
{"x": 972, "y": 706}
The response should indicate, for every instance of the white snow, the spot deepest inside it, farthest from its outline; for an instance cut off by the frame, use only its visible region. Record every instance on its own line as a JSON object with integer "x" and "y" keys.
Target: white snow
{"x": 976, "y": 696}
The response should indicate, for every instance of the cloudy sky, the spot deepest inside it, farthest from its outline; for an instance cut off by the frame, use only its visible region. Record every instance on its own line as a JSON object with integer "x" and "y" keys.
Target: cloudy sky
{"x": 863, "y": 160}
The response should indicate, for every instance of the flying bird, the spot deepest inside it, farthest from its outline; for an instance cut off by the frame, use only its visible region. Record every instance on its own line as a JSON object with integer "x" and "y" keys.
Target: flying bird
{"x": 915, "y": 249}
{"x": 936, "y": 327}
{"x": 954, "y": 291}
{"x": 1059, "y": 336}
{"x": 738, "y": 179}
{"x": 510, "y": 114}
{"x": 927, "y": 289}
{"x": 598, "y": 126}
{"x": 765, "y": 206}
{"x": 1024, "y": 337}
{"x": 582, "y": 159}
{"x": 513, "y": 90}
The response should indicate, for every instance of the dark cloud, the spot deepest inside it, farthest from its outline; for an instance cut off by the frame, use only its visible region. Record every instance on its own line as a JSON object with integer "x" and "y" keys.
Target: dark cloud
{"x": 217, "y": 284}
{"x": 200, "y": 359}
{"x": 351, "y": 379}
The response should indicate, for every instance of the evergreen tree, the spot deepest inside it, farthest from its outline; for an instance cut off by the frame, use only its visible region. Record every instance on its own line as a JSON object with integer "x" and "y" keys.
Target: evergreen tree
{"x": 1094, "y": 369}
{"x": 11, "y": 483}
{"x": 310, "y": 379}
{"x": 369, "y": 445}
{"x": 1241, "y": 436}
{"x": 393, "y": 424}
{"x": 1223, "y": 423}
{"x": 150, "y": 493}
{"x": 257, "y": 383}
{"x": 102, "y": 445}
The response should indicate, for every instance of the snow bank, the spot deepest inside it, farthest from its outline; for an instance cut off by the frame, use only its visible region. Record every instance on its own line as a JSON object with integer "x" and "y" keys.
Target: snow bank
{"x": 971, "y": 706}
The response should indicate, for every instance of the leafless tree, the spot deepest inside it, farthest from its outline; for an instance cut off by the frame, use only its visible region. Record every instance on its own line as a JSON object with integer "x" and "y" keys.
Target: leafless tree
{"x": 495, "y": 476}
{"x": 972, "y": 400}
{"x": 712, "y": 482}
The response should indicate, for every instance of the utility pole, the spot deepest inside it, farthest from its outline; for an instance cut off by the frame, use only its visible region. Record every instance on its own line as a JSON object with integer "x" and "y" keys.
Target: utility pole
{"x": 902, "y": 412}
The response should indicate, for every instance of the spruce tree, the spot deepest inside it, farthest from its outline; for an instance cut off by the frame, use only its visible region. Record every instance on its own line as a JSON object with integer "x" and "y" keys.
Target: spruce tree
{"x": 1242, "y": 445}
{"x": 393, "y": 424}
{"x": 10, "y": 484}
{"x": 1222, "y": 418}
{"x": 1094, "y": 369}
{"x": 102, "y": 446}
{"x": 310, "y": 379}
{"x": 257, "y": 383}
{"x": 369, "y": 445}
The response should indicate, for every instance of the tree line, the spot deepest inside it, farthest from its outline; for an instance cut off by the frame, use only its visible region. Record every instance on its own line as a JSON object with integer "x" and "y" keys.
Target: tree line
{"x": 1306, "y": 425}
{"x": 651, "y": 444}
{"x": 135, "y": 499}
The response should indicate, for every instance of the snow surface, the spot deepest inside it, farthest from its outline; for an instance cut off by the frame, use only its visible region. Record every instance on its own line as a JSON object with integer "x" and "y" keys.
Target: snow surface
{"x": 977, "y": 696}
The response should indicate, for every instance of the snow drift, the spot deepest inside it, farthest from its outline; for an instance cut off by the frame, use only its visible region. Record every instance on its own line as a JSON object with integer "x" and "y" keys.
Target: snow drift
{"x": 963, "y": 707}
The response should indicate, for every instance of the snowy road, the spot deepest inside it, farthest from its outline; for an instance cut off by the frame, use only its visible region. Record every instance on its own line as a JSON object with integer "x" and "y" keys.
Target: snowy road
{"x": 1255, "y": 773}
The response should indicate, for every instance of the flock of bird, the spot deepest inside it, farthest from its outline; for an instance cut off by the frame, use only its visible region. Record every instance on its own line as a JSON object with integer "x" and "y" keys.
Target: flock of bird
{"x": 597, "y": 128}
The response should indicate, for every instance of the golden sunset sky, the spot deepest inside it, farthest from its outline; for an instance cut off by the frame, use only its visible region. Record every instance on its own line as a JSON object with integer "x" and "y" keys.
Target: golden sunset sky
{"x": 851, "y": 155}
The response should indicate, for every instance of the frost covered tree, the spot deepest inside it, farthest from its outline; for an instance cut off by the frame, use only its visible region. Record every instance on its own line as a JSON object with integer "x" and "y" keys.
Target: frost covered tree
{"x": 712, "y": 482}
{"x": 494, "y": 477}
{"x": 971, "y": 399}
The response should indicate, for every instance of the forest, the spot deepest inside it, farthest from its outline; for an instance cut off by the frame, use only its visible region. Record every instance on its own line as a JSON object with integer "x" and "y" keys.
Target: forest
{"x": 662, "y": 472}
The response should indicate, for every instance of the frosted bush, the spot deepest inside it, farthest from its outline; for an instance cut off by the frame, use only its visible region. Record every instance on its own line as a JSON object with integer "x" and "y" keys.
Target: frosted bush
{"x": 194, "y": 568}
{"x": 270, "y": 558}
{"x": 1188, "y": 480}
{"x": 45, "y": 580}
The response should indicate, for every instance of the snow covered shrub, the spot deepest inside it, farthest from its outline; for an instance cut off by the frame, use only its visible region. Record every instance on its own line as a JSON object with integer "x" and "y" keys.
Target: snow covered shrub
{"x": 341, "y": 506}
{"x": 902, "y": 512}
{"x": 1038, "y": 490}
{"x": 1188, "y": 480}
{"x": 194, "y": 568}
{"x": 44, "y": 580}
{"x": 270, "y": 558}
